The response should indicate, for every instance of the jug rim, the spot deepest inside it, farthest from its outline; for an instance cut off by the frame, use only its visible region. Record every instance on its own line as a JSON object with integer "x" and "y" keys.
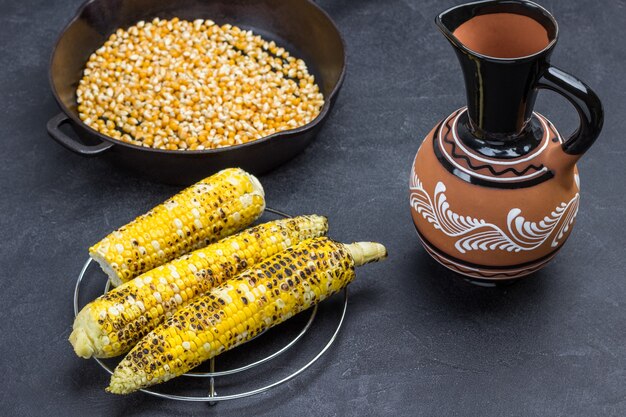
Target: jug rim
{"x": 476, "y": 4}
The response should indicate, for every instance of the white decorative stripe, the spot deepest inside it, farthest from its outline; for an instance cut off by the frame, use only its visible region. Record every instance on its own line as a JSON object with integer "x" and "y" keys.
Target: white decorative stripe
{"x": 478, "y": 234}
{"x": 490, "y": 271}
{"x": 475, "y": 174}
{"x": 530, "y": 156}
{"x": 558, "y": 135}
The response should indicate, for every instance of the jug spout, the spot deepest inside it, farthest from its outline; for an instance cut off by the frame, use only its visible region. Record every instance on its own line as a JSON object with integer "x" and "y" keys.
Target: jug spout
{"x": 503, "y": 47}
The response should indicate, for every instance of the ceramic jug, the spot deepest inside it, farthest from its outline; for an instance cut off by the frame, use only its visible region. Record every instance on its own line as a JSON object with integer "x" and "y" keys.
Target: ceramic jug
{"x": 494, "y": 188}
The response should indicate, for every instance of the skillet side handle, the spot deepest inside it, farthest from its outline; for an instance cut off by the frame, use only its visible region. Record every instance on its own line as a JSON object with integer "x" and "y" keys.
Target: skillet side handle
{"x": 55, "y": 132}
{"x": 586, "y": 103}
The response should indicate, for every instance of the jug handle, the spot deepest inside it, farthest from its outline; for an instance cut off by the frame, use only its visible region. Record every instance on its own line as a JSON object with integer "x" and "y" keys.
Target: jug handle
{"x": 586, "y": 103}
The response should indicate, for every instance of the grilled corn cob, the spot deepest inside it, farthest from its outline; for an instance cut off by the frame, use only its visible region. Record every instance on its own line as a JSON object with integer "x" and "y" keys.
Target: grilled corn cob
{"x": 114, "y": 322}
{"x": 213, "y": 208}
{"x": 234, "y": 312}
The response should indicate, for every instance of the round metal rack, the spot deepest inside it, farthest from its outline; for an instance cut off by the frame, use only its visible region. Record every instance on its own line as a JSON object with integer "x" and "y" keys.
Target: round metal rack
{"x": 212, "y": 397}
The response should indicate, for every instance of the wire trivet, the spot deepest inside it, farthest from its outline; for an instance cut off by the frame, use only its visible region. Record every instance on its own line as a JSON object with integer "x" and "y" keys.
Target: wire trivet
{"x": 212, "y": 397}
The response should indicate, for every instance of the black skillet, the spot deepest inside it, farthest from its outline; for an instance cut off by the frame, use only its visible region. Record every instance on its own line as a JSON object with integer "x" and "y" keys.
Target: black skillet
{"x": 304, "y": 29}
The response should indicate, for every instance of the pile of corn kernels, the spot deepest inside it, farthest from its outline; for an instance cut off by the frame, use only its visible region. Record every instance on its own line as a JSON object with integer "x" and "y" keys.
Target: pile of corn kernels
{"x": 180, "y": 85}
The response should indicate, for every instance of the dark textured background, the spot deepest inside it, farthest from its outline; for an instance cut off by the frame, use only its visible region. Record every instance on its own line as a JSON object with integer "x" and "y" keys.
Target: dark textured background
{"x": 417, "y": 340}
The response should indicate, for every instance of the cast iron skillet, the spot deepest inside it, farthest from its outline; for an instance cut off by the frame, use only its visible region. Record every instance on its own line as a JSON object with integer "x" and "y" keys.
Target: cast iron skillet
{"x": 299, "y": 25}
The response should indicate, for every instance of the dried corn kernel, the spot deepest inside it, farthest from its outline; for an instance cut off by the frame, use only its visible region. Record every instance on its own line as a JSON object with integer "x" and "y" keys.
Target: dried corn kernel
{"x": 178, "y": 85}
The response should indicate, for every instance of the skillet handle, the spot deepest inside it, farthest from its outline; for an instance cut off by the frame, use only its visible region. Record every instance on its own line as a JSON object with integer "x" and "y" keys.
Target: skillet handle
{"x": 67, "y": 142}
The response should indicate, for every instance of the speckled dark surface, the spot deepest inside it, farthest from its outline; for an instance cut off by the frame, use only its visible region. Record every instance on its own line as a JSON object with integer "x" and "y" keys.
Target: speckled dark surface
{"x": 417, "y": 340}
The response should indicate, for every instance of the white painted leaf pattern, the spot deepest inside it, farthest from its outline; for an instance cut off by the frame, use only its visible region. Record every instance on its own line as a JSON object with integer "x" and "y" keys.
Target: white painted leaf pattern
{"x": 478, "y": 234}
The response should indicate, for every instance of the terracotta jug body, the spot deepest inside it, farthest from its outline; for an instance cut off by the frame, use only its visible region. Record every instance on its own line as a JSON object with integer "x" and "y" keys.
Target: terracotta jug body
{"x": 494, "y": 188}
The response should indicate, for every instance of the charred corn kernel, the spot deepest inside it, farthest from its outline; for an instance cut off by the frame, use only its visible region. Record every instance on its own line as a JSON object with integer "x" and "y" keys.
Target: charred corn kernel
{"x": 213, "y": 208}
{"x": 237, "y": 310}
{"x": 184, "y": 82}
{"x": 126, "y": 313}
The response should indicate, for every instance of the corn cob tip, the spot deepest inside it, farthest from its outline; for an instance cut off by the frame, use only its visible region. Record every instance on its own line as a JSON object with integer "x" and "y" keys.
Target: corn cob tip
{"x": 111, "y": 273}
{"x": 256, "y": 184}
{"x": 81, "y": 343}
{"x": 124, "y": 381}
{"x": 85, "y": 335}
{"x": 366, "y": 252}
{"x": 320, "y": 221}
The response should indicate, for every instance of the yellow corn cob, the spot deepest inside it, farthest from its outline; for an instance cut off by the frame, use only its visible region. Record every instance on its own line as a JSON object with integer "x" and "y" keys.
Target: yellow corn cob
{"x": 234, "y": 312}
{"x": 116, "y": 321}
{"x": 215, "y": 207}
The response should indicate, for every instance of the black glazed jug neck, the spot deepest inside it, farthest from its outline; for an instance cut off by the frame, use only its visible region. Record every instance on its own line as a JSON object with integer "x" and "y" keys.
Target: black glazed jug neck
{"x": 501, "y": 89}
